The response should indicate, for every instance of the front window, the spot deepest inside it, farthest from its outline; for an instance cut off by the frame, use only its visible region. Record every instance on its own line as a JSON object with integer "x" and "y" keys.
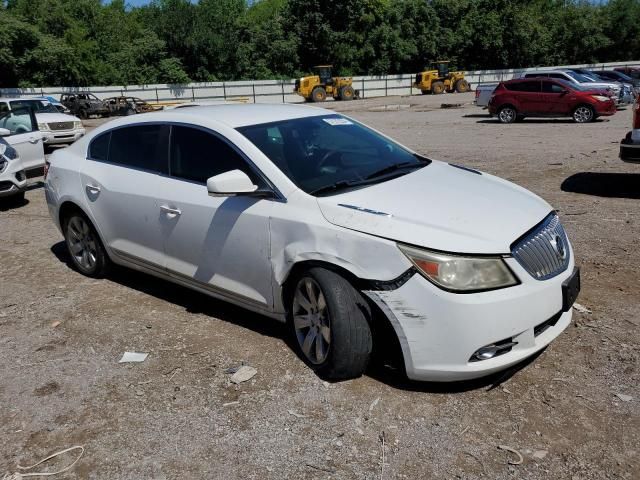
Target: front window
{"x": 331, "y": 153}
{"x": 38, "y": 106}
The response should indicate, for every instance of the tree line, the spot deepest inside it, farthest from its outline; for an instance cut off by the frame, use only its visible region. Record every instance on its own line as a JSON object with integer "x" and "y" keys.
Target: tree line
{"x": 90, "y": 42}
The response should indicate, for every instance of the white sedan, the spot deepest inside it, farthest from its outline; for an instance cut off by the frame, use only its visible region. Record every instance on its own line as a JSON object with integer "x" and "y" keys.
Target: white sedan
{"x": 312, "y": 218}
{"x": 56, "y": 127}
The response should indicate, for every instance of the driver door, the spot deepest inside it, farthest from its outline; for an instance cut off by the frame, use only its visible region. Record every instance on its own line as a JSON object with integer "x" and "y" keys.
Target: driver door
{"x": 218, "y": 243}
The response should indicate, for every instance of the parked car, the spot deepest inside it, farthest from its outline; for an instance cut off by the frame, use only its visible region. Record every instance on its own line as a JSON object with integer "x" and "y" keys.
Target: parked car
{"x": 633, "y": 72}
{"x": 627, "y": 92}
{"x": 56, "y": 127}
{"x": 543, "y": 97}
{"x": 59, "y": 106}
{"x": 21, "y": 151}
{"x": 630, "y": 145}
{"x": 610, "y": 88}
{"x": 310, "y": 217}
{"x": 615, "y": 76}
{"x": 128, "y": 106}
{"x": 84, "y": 104}
{"x": 483, "y": 94}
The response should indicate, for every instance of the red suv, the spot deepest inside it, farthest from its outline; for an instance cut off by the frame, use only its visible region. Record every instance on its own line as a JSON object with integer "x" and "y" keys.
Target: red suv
{"x": 545, "y": 97}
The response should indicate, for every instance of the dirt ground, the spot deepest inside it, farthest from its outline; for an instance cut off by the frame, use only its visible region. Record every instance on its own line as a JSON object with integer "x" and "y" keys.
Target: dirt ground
{"x": 177, "y": 415}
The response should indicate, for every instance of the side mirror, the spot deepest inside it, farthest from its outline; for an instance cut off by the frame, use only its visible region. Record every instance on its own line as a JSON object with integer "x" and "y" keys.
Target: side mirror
{"x": 229, "y": 184}
{"x": 5, "y": 132}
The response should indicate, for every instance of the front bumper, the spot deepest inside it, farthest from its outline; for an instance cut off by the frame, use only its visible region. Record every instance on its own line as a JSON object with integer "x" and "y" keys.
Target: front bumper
{"x": 13, "y": 179}
{"x": 440, "y": 331}
{"x": 55, "y": 137}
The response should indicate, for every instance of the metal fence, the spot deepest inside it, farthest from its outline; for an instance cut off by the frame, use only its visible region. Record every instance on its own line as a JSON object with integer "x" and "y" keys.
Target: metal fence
{"x": 270, "y": 91}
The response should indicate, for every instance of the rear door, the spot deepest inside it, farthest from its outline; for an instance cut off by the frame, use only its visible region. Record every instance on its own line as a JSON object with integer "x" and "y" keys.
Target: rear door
{"x": 527, "y": 94}
{"x": 122, "y": 178}
{"x": 23, "y": 135}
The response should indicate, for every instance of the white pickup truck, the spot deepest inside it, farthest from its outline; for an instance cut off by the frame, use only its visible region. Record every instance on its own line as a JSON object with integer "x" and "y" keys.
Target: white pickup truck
{"x": 483, "y": 94}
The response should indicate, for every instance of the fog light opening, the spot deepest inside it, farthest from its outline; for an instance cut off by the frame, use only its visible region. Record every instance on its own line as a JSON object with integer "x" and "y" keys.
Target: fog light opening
{"x": 493, "y": 350}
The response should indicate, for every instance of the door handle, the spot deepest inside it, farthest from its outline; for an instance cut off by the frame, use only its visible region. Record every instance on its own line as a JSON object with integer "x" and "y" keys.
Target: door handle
{"x": 170, "y": 211}
{"x": 34, "y": 140}
{"x": 93, "y": 189}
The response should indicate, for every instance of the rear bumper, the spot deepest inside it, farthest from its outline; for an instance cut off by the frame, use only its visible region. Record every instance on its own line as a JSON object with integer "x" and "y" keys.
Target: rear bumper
{"x": 630, "y": 149}
{"x": 439, "y": 332}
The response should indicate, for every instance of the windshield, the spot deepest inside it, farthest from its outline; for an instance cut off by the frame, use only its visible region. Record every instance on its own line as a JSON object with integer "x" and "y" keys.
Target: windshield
{"x": 579, "y": 77}
{"x": 331, "y": 153}
{"x": 38, "y": 106}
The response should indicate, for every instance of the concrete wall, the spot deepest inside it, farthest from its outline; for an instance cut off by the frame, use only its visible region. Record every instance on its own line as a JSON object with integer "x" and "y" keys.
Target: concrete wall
{"x": 277, "y": 91}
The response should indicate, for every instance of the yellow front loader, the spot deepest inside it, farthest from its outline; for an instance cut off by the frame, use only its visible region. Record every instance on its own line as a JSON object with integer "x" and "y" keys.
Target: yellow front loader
{"x": 439, "y": 79}
{"x": 316, "y": 88}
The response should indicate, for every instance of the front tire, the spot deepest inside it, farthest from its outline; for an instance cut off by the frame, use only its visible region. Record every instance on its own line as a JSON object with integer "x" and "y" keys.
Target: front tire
{"x": 329, "y": 318}
{"x": 437, "y": 88}
{"x": 584, "y": 114}
{"x": 87, "y": 253}
{"x": 318, "y": 94}
{"x": 347, "y": 93}
{"x": 462, "y": 86}
{"x": 507, "y": 114}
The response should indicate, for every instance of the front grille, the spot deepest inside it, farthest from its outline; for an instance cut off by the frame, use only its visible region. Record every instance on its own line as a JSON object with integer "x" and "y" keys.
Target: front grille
{"x": 60, "y": 125}
{"x": 544, "y": 250}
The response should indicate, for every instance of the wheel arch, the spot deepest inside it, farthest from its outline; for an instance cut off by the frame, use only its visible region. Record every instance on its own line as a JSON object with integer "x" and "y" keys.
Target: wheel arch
{"x": 386, "y": 339}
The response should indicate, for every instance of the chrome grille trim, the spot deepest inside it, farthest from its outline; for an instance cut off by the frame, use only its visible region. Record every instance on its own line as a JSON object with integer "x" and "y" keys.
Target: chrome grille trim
{"x": 60, "y": 125}
{"x": 544, "y": 251}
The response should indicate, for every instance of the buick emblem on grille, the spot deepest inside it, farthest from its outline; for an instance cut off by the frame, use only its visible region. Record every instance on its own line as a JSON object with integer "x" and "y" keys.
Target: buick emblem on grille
{"x": 558, "y": 245}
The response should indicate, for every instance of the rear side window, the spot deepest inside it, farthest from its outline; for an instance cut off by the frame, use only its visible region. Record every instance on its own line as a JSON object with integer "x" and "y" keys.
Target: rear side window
{"x": 141, "y": 146}
{"x": 533, "y": 86}
{"x": 557, "y": 75}
{"x": 99, "y": 147}
{"x": 197, "y": 155}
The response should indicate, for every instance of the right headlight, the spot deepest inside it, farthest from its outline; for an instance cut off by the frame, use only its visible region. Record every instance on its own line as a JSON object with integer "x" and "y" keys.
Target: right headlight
{"x": 601, "y": 98}
{"x": 459, "y": 273}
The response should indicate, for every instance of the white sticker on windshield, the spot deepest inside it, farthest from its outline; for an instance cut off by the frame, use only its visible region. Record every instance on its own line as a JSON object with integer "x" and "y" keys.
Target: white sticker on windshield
{"x": 337, "y": 121}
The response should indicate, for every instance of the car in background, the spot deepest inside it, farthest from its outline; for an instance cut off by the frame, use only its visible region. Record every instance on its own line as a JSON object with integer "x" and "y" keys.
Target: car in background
{"x": 59, "y": 106}
{"x": 544, "y": 97}
{"x": 483, "y": 94}
{"x": 21, "y": 151}
{"x": 615, "y": 76}
{"x": 310, "y": 218}
{"x": 630, "y": 144}
{"x": 56, "y": 128}
{"x": 627, "y": 91}
{"x": 609, "y": 88}
{"x": 633, "y": 72}
{"x": 84, "y": 104}
{"x": 128, "y": 106}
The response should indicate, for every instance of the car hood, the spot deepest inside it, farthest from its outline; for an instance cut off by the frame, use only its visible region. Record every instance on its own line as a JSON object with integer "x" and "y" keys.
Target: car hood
{"x": 441, "y": 207}
{"x": 55, "y": 117}
{"x": 613, "y": 86}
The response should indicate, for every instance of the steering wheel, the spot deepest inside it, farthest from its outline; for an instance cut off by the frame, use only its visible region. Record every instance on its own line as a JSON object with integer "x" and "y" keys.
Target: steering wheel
{"x": 325, "y": 158}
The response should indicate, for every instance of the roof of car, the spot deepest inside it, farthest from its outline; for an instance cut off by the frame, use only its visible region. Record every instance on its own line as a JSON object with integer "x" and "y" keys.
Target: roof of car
{"x": 21, "y": 99}
{"x": 240, "y": 115}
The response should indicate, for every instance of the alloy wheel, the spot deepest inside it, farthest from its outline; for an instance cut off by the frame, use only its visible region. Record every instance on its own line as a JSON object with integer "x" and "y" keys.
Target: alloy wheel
{"x": 82, "y": 243}
{"x": 507, "y": 115}
{"x": 311, "y": 320}
{"x": 583, "y": 114}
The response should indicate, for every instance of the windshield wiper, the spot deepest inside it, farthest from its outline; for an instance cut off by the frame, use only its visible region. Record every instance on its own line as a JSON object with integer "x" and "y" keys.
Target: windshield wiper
{"x": 342, "y": 184}
{"x": 394, "y": 167}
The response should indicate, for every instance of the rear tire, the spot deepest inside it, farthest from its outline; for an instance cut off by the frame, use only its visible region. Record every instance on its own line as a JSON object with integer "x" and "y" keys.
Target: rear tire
{"x": 85, "y": 248}
{"x": 330, "y": 323}
{"x": 347, "y": 93}
{"x": 437, "y": 88}
{"x": 462, "y": 86}
{"x": 318, "y": 94}
{"x": 130, "y": 111}
{"x": 584, "y": 114}
{"x": 507, "y": 114}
